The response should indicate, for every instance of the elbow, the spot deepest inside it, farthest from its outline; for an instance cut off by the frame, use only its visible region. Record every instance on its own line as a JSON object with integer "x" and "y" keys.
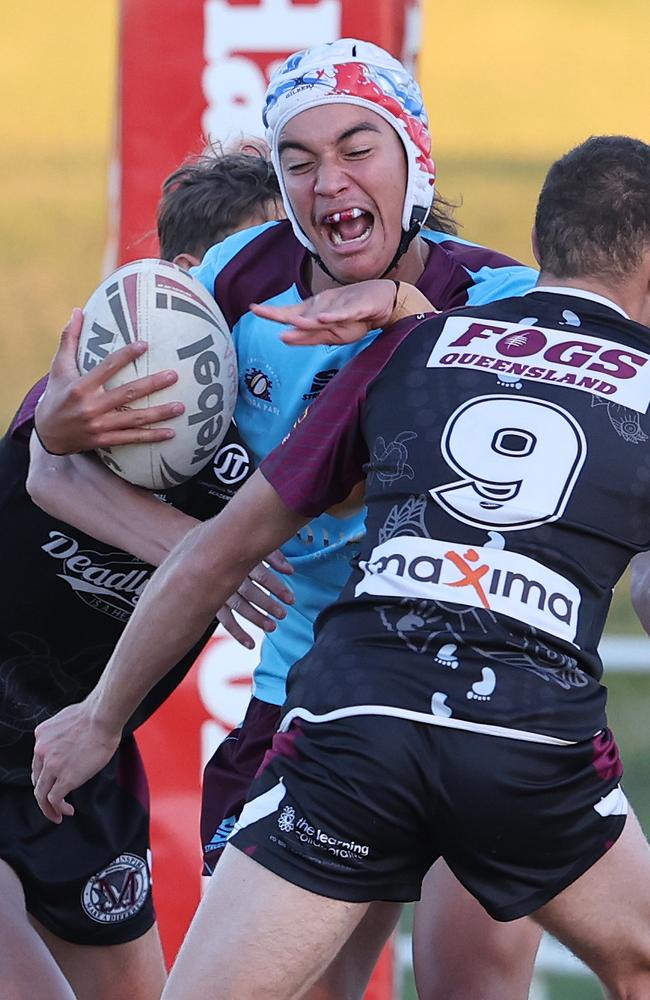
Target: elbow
{"x": 35, "y": 485}
{"x": 43, "y": 477}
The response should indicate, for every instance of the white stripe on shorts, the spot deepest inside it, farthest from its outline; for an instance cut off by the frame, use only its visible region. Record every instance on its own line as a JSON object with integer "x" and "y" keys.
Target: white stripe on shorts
{"x": 431, "y": 720}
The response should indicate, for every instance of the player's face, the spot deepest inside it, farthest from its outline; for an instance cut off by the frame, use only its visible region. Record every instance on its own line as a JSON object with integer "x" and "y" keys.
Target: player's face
{"x": 344, "y": 168}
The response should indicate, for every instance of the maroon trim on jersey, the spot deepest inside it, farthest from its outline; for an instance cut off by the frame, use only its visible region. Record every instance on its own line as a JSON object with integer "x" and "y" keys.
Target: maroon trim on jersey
{"x": 476, "y": 257}
{"x": 446, "y": 279}
{"x": 265, "y": 267}
{"x": 21, "y": 425}
{"x": 275, "y": 260}
{"x": 322, "y": 459}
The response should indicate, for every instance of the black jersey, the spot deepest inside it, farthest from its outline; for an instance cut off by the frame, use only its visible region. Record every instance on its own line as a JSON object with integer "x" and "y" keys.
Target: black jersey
{"x": 508, "y": 485}
{"x": 66, "y": 597}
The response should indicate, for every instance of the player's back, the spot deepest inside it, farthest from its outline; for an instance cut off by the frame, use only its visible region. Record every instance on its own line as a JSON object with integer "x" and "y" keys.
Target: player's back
{"x": 507, "y": 487}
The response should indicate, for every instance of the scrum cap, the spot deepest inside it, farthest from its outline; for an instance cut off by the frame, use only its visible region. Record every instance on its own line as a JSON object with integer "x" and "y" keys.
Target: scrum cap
{"x": 350, "y": 71}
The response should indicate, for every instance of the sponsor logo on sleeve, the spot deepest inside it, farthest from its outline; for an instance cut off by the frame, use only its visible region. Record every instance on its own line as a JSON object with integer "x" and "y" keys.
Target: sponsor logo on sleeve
{"x": 574, "y": 360}
{"x": 494, "y": 579}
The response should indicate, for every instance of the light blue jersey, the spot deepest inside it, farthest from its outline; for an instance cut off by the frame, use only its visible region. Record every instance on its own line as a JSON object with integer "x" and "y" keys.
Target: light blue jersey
{"x": 277, "y": 382}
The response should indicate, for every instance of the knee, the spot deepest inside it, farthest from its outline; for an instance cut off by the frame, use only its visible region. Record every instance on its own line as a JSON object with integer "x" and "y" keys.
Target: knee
{"x": 499, "y": 966}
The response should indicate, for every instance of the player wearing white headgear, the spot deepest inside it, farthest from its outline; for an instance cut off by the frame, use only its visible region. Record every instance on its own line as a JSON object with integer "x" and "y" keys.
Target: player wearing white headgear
{"x": 351, "y": 144}
{"x": 358, "y": 74}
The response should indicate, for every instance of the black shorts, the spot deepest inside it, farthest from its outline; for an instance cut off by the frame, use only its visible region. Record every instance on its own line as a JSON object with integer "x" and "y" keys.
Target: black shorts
{"x": 228, "y": 776}
{"x": 359, "y": 809}
{"x": 88, "y": 879}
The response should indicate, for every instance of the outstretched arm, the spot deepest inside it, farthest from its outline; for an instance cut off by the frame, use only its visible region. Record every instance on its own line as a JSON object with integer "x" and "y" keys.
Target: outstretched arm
{"x": 177, "y": 606}
{"x": 344, "y": 315}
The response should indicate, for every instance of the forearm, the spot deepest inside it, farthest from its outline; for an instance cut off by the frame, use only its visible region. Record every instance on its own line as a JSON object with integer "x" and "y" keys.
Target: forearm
{"x": 81, "y": 491}
{"x": 185, "y": 593}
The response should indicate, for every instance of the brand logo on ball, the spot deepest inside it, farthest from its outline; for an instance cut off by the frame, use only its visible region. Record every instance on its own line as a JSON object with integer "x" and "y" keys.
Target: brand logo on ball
{"x": 117, "y": 892}
{"x": 231, "y": 464}
{"x": 209, "y": 404}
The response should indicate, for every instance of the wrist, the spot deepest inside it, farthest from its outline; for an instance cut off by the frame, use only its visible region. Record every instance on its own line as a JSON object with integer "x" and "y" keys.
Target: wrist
{"x": 44, "y": 441}
{"x": 103, "y": 717}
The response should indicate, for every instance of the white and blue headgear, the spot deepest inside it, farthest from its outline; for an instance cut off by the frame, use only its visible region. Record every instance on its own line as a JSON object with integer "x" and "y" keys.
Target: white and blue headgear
{"x": 350, "y": 71}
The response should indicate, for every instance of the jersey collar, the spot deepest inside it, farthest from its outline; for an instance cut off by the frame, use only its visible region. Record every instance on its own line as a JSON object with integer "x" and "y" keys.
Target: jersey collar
{"x": 579, "y": 293}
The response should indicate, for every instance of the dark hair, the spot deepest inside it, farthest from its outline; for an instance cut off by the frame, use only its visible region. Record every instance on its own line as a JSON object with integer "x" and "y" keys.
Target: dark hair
{"x": 441, "y": 217}
{"x": 593, "y": 213}
{"x": 209, "y": 196}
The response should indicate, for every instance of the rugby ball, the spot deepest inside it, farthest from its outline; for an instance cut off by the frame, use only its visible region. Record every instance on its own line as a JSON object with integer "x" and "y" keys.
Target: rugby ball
{"x": 156, "y": 301}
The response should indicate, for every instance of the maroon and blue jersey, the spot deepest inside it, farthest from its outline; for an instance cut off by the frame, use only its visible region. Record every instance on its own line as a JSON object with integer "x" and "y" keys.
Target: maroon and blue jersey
{"x": 504, "y": 451}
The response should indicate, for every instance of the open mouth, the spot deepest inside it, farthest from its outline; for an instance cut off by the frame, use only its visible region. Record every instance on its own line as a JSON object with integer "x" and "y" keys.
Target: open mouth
{"x": 352, "y": 225}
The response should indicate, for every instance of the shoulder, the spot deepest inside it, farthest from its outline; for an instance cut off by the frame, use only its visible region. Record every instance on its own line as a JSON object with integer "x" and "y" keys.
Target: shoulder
{"x": 459, "y": 272}
{"x": 251, "y": 266}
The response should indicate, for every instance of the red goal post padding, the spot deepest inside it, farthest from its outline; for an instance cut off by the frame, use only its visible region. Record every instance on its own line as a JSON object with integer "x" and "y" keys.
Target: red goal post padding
{"x": 191, "y": 70}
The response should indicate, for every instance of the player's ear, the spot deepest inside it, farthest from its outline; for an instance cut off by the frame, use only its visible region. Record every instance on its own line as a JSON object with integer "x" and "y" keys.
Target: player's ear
{"x": 186, "y": 260}
{"x": 535, "y": 245}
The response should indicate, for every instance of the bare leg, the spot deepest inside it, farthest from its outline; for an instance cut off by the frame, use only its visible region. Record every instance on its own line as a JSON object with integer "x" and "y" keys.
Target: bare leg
{"x": 94, "y": 971}
{"x": 27, "y": 969}
{"x": 604, "y": 917}
{"x": 459, "y": 951}
{"x": 255, "y": 935}
{"x": 348, "y": 975}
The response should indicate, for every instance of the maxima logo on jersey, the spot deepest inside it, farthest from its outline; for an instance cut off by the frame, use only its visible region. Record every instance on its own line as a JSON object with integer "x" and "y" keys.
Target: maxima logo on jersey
{"x": 601, "y": 367}
{"x": 500, "y": 581}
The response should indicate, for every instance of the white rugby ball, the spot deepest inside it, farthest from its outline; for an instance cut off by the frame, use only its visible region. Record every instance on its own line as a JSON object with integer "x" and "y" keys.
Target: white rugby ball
{"x": 156, "y": 301}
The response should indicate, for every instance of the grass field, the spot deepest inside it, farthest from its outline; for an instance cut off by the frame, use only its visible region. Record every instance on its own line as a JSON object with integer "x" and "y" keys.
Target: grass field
{"x": 509, "y": 86}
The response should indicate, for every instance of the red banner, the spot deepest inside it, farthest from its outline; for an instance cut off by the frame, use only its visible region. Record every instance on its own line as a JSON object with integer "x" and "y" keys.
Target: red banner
{"x": 197, "y": 69}
{"x": 192, "y": 70}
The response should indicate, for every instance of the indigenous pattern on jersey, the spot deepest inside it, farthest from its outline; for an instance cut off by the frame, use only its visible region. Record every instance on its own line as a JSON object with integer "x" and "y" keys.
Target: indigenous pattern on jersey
{"x": 507, "y": 489}
{"x": 67, "y": 597}
{"x": 277, "y": 382}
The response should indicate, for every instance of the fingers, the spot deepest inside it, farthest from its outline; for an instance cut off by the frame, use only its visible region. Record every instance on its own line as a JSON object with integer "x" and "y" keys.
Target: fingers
{"x": 248, "y": 601}
{"x": 130, "y": 419}
{"x": 143, "y": 435}
{"x": 50, "y": 794}
{"x": 307, "y": 338}
{"x": 279, "y": 562}
{"x": 65, "y": 359}
{"x": 267, "y": 603}
{"x": 280, "y": 314}
{"x": 266, "y": 578}
{"x": 139, "y": 388}
{"x": 232, "y": 626}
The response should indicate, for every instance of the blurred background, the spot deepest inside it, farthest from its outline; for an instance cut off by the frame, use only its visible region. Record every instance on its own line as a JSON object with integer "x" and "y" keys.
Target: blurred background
{"x": 509, "y": 86}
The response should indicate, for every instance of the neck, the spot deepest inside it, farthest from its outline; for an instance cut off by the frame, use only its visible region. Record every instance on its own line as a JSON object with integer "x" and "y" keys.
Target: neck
{"x": 629, "y": 295}
{"x": 409, "y": 268}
